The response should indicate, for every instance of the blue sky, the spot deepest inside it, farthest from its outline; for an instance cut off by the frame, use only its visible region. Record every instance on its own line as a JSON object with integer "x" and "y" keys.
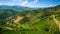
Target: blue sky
{"x": 31, "y": 3}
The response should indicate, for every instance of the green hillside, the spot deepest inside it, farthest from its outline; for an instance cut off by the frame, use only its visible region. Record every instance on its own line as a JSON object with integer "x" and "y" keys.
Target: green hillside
{"x": 41, "y": 21}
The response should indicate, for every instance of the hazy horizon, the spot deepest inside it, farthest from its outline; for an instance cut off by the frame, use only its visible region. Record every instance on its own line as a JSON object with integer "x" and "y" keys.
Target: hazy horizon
{"x": 31, "y": 3}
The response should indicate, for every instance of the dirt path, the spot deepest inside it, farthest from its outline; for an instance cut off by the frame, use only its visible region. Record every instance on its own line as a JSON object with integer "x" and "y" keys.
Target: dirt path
{"x": 57, "y": 22}
{"x": 18, "y": 19}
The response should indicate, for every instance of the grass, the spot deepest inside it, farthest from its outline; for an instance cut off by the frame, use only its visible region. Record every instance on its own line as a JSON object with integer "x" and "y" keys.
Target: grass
{"x": 35, "y": 27}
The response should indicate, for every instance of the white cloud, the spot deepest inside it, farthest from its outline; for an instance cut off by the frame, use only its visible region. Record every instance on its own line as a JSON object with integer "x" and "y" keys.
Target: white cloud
{"x": 35, "y": 1}
{"x": 28, "y": 4}
{"x": 24, "y": 3}
{"x": 0, "y": 4}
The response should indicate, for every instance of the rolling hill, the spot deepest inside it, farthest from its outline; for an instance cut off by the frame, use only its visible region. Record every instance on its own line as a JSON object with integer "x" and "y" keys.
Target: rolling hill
{"x": 40, "y": 21}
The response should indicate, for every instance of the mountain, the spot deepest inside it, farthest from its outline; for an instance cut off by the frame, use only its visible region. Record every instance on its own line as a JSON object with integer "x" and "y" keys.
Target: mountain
{"x": 40, "y": 21}
{"x": 17, "y": 8}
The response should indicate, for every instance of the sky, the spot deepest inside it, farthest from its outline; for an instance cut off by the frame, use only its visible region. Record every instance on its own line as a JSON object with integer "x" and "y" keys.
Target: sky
{"x": 31, "y": 3}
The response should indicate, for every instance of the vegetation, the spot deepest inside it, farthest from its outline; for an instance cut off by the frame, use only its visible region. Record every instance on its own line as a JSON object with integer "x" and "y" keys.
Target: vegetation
{"x": 40, "y": 21}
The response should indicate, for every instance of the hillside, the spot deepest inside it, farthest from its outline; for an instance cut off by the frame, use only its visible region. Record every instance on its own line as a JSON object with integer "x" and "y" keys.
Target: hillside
{"x": 40, "y": 21}
{"x": 6, "y": 13}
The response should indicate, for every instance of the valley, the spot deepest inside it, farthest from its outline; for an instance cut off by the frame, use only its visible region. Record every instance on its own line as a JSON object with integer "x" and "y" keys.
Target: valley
{"x": 39, "y": 21}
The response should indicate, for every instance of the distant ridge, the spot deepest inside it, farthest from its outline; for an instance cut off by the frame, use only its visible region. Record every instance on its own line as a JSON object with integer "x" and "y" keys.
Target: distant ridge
{"x": 16, "y": 7}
